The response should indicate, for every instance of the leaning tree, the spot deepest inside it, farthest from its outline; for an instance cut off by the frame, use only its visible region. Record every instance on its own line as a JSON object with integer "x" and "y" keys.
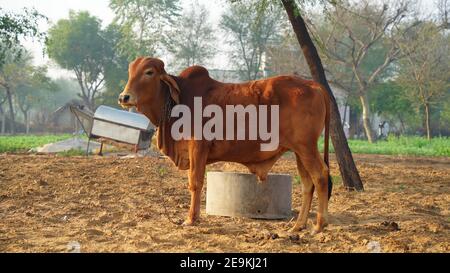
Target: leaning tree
{"x": 349, "y": 172}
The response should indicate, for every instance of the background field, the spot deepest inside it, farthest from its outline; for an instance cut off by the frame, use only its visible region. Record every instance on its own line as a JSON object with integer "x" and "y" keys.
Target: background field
{"x": 404, "y": 145}
{"x": 24, "y": 143}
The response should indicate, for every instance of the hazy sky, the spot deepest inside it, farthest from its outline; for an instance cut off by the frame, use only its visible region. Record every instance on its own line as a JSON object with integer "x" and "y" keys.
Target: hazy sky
{"x": 58, "y": 9}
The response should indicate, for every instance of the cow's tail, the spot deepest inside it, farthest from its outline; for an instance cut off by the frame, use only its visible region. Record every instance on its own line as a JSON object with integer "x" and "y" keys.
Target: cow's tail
{"x": 326, "y": 148}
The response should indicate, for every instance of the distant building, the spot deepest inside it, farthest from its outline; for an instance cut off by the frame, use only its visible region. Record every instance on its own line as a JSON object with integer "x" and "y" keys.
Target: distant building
{"x": 63, "y": 121}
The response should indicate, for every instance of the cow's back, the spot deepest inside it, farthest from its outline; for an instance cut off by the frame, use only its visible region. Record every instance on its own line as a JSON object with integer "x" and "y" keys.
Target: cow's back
{"x": 298, "y": 99}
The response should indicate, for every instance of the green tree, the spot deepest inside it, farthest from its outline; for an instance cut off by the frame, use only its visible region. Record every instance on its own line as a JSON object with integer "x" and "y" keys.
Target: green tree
{"x": 424, "y": 72}
{"x": 444, "y": 121}
{"x": 390, "y": 101}
{"x": 143, "y": 24}
{"x": 15, "y": 26}
{"x": 78, "y": 44}
{"x": 67, "y": 90}
{"x": 360, "y": 39}
{"x": 31, "y": 89}
{"x": 13, "y": 72}
{"x": 23, "y": 84}
{"x": 251, "y": 27}
{"x": 116, "y": 70}
{"x": 191, "y": 39}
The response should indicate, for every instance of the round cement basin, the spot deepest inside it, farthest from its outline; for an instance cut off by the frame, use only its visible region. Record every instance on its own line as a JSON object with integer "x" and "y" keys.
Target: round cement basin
{"x": 242, "y": 195}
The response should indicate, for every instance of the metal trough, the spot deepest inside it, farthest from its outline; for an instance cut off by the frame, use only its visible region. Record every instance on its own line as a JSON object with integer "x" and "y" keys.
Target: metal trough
{"x": 241, "y": 195}
{"x": 108, "y": 123}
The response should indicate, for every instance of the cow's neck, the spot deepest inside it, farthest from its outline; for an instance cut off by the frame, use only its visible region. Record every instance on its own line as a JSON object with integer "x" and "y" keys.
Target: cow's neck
{"x": 151, "y": 111}
{"x": 159, "y": 114}
{"x": 158, "y": 110}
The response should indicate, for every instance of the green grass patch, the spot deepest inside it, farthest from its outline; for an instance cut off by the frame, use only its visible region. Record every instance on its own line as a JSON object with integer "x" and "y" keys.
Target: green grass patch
{"x": 24, "y": 143}
{"x": 404, "y": 145}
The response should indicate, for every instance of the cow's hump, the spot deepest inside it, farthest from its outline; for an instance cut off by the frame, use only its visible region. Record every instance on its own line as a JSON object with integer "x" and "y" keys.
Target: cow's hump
{"x": 194, "y": 72}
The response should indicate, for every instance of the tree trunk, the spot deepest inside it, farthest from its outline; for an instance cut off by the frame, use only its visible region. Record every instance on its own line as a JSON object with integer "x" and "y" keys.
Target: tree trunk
{"x": 2, "y": 131}
{"x": 11, "y": 110}
{"x": 352, "y": 124}
{"x": 3, "y": 123}
{"x": 347, "y": 167}
{"x": 366, "y": 119}
{"x": 402, "y": 126}
{"x": 27, "y": 123}
{"x": 427, "y": 120}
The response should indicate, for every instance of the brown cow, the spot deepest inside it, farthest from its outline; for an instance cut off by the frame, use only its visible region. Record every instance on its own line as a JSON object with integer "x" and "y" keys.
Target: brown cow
{"x": 304, "y": 111}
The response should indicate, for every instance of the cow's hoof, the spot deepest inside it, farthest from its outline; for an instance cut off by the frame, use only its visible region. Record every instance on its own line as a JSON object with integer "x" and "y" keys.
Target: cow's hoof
{"x": 189, "y": 223}
{"x": 316, "y": 230}
{"x": 319, "y": 226}
{"x": 296, "y": 229}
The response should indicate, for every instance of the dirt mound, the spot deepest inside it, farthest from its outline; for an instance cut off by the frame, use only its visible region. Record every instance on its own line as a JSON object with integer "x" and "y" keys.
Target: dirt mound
{"x": 95, "y": 204}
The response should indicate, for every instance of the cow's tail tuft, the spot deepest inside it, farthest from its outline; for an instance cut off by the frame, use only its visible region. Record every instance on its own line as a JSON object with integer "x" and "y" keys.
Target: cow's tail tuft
{"x": 330, "y": 185}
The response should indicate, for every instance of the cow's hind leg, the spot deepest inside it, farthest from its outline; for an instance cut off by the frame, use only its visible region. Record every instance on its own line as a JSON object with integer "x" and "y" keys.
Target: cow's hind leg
{"x": 197, "y": 159}
{"x": 318, "y": 171}
{"x": 307, "y": 195}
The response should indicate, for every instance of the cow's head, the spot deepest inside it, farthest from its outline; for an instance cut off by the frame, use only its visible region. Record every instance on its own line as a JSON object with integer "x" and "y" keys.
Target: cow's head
{"x": 147, "y": 87}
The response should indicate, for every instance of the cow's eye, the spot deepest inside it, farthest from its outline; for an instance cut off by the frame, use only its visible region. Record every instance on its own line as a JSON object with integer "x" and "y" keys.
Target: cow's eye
{"x": 149, "y": 73}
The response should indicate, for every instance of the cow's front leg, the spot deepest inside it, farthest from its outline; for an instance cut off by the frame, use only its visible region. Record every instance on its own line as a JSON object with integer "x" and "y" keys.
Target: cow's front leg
{"x": 198, "y": 155}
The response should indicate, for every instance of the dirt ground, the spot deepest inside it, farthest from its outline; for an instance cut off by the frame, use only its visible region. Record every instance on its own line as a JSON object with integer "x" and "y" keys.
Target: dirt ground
{"x": 123, "y": 205}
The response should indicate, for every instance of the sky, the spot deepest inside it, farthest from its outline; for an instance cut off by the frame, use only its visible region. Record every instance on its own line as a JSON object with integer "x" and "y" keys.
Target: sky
{"x": 59, "y": 9}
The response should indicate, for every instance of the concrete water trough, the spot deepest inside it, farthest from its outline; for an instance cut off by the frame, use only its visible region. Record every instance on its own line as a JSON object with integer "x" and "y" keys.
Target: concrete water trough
{"x": 242, "y": 195}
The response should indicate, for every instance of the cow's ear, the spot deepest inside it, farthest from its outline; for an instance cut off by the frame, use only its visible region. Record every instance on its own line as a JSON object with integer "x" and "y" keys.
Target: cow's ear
{"x": 173, "y": 86}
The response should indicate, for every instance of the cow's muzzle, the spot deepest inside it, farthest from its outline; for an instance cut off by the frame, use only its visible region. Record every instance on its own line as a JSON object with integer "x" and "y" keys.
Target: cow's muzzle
{"x": 124, "y": 99}
{"x": 127, "y": 100}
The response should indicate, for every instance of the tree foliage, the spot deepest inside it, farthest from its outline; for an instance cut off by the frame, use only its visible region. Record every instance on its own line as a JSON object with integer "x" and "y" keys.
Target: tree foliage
{"x": 251, "y": 26}
{"x": 78, "y": 44}
{"x": 116, "y": 69}
{"x": 15, "y": 26}
{"x": 191, "y": 40}
{"x": 24, "y": 86}
{"x": 358, "y": 41}
{"x": 424, "y": 72}
{"x": 143, "y": 24}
